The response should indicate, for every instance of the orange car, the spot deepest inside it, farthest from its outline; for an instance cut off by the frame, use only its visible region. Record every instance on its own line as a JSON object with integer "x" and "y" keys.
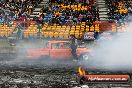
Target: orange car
{"x": 58, "y": 50}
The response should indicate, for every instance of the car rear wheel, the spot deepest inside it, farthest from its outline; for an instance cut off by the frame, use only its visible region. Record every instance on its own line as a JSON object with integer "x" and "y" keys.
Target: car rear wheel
{"x": 85, "y": 57}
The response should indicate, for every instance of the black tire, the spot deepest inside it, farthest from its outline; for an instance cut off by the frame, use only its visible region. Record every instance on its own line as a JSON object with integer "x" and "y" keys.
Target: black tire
{"x": 85, "y": 57}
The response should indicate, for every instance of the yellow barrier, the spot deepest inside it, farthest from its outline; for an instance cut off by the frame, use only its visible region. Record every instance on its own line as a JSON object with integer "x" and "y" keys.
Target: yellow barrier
{"x": 97, "y": 27}
{"x": 46, "y": 34}
{"x": 51, "y": 34}
{"x": 87, "y": 28}
{"x": 92, "y": 28}
{"x": 66, "y": 35}
{"x": 61, "y": 34}
{"x": 56, "y": 35}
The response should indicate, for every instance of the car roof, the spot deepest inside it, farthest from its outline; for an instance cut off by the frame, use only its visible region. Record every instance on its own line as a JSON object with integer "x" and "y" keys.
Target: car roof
{"x": 58, "y": 41}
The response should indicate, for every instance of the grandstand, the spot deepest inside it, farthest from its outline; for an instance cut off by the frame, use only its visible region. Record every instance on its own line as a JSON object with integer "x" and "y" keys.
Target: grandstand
{"x": 59, "y": 19}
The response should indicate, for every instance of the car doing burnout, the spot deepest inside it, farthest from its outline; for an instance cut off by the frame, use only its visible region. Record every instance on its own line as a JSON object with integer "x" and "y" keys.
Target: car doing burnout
{"x": 58, "y": 50}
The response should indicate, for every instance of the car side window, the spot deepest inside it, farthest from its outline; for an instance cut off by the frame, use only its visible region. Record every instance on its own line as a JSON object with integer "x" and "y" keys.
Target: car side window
{"x": 55, "y": 45}
{"x": 66, "y": 45}
{"x": 46, "y": 45}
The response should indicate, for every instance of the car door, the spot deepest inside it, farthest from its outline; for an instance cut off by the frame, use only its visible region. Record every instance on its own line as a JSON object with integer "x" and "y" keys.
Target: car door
{"x": 59, "y": 51}
{"x": 67, "y": 50}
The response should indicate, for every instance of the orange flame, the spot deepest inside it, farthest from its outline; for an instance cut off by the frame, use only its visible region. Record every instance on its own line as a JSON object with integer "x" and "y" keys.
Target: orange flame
{"x": 81, "y": 71}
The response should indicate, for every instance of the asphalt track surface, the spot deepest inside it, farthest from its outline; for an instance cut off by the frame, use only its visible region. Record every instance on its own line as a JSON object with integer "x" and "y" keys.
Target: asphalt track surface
{"x": 48, "y": 74}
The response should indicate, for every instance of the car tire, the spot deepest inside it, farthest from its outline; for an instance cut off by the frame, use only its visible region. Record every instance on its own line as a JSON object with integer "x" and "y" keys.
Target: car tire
{"x": 85, "y": 57}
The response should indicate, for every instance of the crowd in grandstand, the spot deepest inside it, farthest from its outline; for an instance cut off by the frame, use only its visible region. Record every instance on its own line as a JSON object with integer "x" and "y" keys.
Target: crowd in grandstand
{"x": 119, "y": 9}
{"x": 75, "y": 15}
{"x": 62, "y": 11}
{"x": 69, "y": 12}
{"x": 16, "y": 10}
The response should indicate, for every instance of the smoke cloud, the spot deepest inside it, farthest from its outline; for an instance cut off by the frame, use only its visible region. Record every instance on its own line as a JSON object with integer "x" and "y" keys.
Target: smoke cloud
{"x": 115, "y": 54}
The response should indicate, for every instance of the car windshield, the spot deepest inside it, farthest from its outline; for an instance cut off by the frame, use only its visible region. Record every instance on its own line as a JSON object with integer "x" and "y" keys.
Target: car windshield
{"x": 55, "y": 45}
{"x": 61, "y": 45}
{"x": 66, "y": 45}
{"x": 46, "y": 45}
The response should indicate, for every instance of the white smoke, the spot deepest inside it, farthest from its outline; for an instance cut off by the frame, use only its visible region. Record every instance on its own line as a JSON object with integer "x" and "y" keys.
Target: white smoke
{"x": 115, "y": 54}
{"x": 21, "y": 51}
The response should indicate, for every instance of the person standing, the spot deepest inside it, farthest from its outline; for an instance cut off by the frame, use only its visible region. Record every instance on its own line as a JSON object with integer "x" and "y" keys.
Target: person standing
{"x": 19, "y": 31}
{"x": 74, "y": 47}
